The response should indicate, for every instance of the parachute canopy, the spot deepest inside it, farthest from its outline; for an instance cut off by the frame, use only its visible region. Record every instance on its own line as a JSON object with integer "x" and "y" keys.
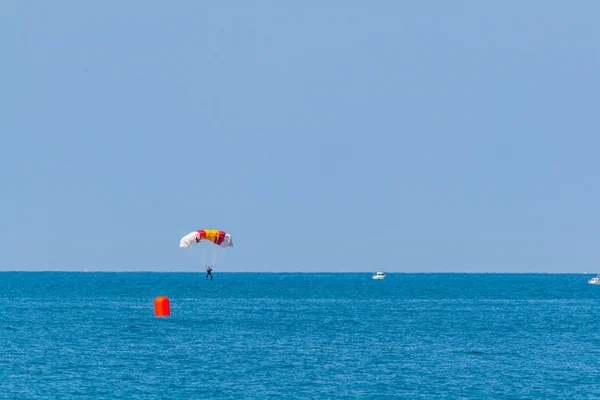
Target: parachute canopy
{"x": 217, "y": 237}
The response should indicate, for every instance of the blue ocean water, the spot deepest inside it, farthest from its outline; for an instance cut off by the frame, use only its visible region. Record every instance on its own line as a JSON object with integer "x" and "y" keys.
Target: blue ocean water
{"x": 299, "y": 336}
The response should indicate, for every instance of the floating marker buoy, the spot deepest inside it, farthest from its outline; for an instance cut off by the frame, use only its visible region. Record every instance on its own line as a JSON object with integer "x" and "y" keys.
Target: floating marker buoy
{"x": 162, "y": 307}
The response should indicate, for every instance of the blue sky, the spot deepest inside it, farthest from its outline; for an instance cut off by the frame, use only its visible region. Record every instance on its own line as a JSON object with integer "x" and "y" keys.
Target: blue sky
{"x": 421, "y": 136}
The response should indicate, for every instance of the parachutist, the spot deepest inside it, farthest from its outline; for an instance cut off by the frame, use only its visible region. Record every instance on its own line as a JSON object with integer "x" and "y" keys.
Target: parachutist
{"x": 219, "y": 238}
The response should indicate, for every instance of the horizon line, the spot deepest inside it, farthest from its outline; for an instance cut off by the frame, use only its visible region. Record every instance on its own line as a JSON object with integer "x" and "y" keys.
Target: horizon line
{"x": 299, "y": 272}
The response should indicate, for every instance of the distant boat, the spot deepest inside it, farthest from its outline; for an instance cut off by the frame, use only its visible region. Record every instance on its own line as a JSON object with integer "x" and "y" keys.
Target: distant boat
{"x": 595, "y": 281}
{"x": 379, "y": 275}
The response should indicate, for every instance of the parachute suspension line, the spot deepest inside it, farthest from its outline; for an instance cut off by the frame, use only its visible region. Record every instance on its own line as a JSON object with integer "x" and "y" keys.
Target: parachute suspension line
{"x": 217, "y": 254}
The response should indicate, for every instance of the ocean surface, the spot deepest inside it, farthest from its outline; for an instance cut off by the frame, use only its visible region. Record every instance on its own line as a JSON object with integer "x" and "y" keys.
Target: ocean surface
{"x": 299, "y": 336}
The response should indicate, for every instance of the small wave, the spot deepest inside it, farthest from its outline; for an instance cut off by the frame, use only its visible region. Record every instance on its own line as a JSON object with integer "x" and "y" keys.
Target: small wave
{"x": 474, "y": 352}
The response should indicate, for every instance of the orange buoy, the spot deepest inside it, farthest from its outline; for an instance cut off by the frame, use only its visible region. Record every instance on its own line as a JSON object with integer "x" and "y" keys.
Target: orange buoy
{"x": 162, "y": 307}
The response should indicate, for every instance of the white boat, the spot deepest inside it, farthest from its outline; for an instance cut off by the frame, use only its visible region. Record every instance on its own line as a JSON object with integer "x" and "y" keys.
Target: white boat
{"x": 595, "y": 281}
{"x": 379, "y": 275}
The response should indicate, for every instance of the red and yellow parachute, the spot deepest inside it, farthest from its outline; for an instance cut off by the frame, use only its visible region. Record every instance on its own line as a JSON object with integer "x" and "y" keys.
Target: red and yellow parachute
{"x": 220, "y": 238}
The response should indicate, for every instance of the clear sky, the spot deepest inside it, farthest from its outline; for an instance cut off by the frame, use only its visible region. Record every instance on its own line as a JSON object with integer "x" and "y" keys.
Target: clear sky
{"x": 419, "y": 136}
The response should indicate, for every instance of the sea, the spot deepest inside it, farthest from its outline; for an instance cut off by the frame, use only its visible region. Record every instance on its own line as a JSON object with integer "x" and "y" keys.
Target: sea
{"x": 299, "y": 336}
